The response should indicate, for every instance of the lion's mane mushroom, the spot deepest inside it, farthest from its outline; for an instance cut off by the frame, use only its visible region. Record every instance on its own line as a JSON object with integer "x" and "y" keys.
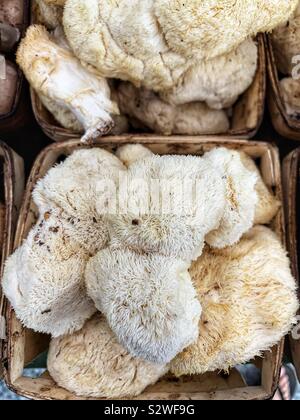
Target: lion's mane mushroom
{"x": 8, "y": 87}
{"x": 55, "y": 73}
{"x": 148, "y": 300}
{"x": 148, "y": 108}
{"x": 44, "y": 279}
{"x": 91, "y": 363}
{"x": 48, "y": 13}
{"x": 182, "y": 199}
{"x": 249, "y": 303}
{"x": 219, "y": 81}
{"x": 290, "y": 90}
{"x": 241, "y": 197}
{"x": 267, "y": 204}
{"x": 209, "y": 29}
{"x": 75, "y": 186}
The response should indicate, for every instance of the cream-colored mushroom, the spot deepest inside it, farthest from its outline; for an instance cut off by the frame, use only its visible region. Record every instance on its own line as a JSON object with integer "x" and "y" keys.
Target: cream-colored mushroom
{"x": 286, "y": 43}
{"x": 169, "y": 205}
{"x": 249, "y": 303}
{"x": 148, "y": 300}
{"x": 267, "y": 205}
{"x": 146, "y": 107}
{"x": 241, "y": 197}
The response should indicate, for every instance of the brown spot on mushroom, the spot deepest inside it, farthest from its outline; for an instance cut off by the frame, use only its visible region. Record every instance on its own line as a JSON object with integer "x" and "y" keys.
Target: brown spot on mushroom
{"x": 47, "y": 215}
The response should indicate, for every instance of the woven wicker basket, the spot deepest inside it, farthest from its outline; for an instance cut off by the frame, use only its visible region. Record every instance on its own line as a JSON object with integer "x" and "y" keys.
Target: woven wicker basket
{"x": 246, "y": 118}
{"x": 283, "y": 123}
{"x": 24, "y": 345}
{"x": 19, "y": 112}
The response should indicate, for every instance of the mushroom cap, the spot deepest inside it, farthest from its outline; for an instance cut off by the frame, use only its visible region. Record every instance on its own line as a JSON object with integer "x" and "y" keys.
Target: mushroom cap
{"x": 208, "y": 29}
{"x": 171, "y": 203}
{"x": 146, "y": 107}
{"x": 81, "y": 187}
{"x": 290, "y": 90}
{"x": 241, "y": 197}
{"x": 249, "y": 303}
{"x": 130, "y": 153}
{"x": 44, "y": 279}
{"x": 267, "y": 205}
{"x": 148, "y": 300}
{"x": 91, "y": 363}
{"x": 76, "y": 187}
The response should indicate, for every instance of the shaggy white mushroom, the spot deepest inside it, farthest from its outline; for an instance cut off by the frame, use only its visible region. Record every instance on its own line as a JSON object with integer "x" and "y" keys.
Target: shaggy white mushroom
{"x": 290, "y": 90}
{"x": 148, "y": 108}
{"x": 207, "y": 29}
{"x": 130, "y": 153}
{"x": 267, "y": 205}
{"x": 249, "y": 303}
{"x": 44, "y": 279}
{"x": 241, "y": 197}
{"x": 167, "y": 206}
{"x": 218, "y": 82}
{"x": 148, "y": 300}
{"x": 286, "y": 43}
{"x": 54, "y": 72}
{"x": 62, "y": 115}
{"x": 62, "y": 185}
{"x": 8, "y": 86}
{"x": 153, "y": 43}
{"x": 91, "y": 363}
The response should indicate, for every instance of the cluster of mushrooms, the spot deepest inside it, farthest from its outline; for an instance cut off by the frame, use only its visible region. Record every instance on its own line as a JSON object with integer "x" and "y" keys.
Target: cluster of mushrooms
{"x": 131, "y": 296}
{"x": 161, "y": 65}
{"x": 11, "y": 18}
{"x": 286, "y": 44}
